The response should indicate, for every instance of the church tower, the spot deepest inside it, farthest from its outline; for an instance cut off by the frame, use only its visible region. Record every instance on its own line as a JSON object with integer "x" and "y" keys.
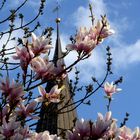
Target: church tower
{"x": 57, "y": 117}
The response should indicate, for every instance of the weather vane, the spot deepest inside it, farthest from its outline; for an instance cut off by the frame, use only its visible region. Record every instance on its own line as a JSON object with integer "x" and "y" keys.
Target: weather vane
{"x": 56, "y": 9}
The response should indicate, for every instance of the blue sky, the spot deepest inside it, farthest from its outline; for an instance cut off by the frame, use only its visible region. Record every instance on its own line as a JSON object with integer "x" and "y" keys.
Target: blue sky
{"x": 125, "y": 46}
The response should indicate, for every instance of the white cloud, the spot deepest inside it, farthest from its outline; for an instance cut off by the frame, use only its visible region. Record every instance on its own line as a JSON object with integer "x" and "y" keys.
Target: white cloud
{"x": 123, "y": 54}
{"x": 82, "y": 14}
{"x": 99, "y": 8}
{"x": 95, "y": 64}
{"x": 126, "y": 54}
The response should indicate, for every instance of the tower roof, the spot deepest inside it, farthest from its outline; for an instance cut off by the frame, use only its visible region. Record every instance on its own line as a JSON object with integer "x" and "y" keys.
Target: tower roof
{"x": 49, "y": 120}
{"x": 58, "y": 50}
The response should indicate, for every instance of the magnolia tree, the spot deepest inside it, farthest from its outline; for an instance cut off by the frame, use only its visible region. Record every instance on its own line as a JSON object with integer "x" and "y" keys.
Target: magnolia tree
{"x": 32, "y": 67}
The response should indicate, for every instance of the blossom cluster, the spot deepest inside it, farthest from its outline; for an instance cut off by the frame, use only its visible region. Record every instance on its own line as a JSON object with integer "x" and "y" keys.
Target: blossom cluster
{"x": 15, "y": 107}
{"x": 87, "y": 39}
{"x": 31, "y": 54}
{"x": 14, "y": 131}
{"x": 104, "y": 128}
{"x": 15, "y": 110}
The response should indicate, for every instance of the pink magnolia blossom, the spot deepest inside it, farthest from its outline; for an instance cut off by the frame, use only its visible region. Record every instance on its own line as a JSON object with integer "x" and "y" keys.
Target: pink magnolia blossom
{"x": 110, "y": 89}
{"x": 59, "y": 70}
{"x": 47, "y": 70}
{"x": 4, "y": 111}
{"x": 102, "y": 31}
{"x": 17, "y": 136}
{"x": 103, "y": 128}
{"x": 87, "y": 39}
{"x": 5, "y": 86}
{"x": 42, "y": 68}
{"x": 113, "y": 131}
{"x": 21, "y": 134}
{"x": 102, "y": 125}
{"x": 52, "y": 96}
{"x": 13, "y": 92}
{"x": 26, "y": 111}
{"x": 136, "y": 133}
{"x": 24, "y": 56}
{"x": 83, "y": 42}
{"x": 88, "y": 129}
{"x": 125, "y": 133}
{"x": 73, "y": 135}
{"x": 39, "y": 45}
{"x": 82, "y": 127}
{"x": 43, "y": 136}
{"x": 13, "y": 130}
{"x": 8, "y": 128}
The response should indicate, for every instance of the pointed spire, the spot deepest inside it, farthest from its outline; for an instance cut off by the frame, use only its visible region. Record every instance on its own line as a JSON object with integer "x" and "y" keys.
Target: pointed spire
{"x": 58, "y": 20}
{"x": 58, "y": 50}
{"x": 49, "y": 119}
